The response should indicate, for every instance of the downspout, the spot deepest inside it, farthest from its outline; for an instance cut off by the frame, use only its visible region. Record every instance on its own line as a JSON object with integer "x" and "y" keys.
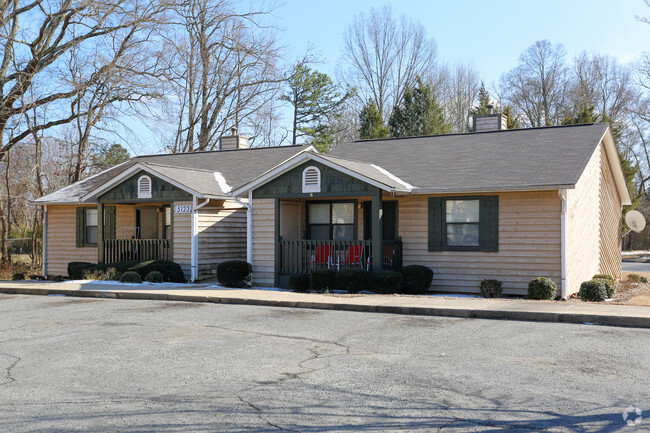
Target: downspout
{"x": 249, "y": 225}
{"x": 194, "y": 267}
{"x": 45, "y": 240}
{"x": 563, "y": 236}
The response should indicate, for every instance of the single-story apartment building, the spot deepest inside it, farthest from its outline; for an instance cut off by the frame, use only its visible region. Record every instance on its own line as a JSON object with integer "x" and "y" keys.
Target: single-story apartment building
{"x": 494, "y": 204}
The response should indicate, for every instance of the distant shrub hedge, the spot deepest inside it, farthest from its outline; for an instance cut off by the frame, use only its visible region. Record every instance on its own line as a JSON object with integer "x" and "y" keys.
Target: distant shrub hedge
{"x": 385, "y": 282}
{"x": 154, "y": 277}
{"x": 131, "y": 277}
{"x": 299, "y": 283}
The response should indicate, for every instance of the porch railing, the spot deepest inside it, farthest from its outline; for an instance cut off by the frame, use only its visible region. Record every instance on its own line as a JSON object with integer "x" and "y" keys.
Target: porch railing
{"x": 303, "y": 256}
{"x": 122, "y": 250}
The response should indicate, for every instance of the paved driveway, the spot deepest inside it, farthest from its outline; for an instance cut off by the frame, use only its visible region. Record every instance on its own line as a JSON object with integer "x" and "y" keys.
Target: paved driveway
{"x": 97, "y": 365}
{"x": 636, "y": 267}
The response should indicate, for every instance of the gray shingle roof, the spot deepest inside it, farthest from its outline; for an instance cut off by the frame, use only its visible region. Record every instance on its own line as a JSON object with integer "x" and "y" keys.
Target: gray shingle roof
{"x": 194, "y": 170}
{"x": 517, "y": 159}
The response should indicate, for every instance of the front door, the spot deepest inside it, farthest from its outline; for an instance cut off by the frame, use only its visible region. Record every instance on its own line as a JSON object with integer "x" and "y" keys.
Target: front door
{"x": 389, "y": 223}
{"x": 290, "y": 221}
{"x": 147, "y": 222}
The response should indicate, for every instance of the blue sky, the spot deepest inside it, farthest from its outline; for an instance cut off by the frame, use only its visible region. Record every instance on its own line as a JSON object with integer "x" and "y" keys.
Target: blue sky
{"x": 490, "y": 35}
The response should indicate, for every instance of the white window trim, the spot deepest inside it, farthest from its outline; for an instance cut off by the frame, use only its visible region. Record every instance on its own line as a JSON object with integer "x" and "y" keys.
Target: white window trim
{"x": 311, "y": 188}
{"x": 141, "y": 193}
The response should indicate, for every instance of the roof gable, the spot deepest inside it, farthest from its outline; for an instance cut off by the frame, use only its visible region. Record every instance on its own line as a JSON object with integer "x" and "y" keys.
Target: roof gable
{"x": 127, "y": 190}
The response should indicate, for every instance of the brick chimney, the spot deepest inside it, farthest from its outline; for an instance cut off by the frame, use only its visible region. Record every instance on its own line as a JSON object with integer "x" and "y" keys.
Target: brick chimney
{"x": 233, "y": 141}
{"x": 489, "y": 122}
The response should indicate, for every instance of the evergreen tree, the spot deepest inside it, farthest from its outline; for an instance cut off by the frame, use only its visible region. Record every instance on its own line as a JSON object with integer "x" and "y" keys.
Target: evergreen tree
{"x": 105, "y": 157}
{"x": 483, "y": 101}
{"x": 419, "y": 113}
{"x": 512, "y": 121}
{"x": 316, "y": 102}
{"x": 371, "y": 122}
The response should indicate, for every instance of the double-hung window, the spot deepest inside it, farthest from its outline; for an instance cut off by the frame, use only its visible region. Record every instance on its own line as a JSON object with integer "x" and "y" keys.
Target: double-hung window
{"x": 331, "y": 221}
{"x": 468, "y": 223}
{"x": 91, "y": 226}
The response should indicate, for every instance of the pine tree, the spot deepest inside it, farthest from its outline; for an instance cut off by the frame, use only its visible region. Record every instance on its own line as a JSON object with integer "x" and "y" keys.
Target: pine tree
{"x": 371, "y": 122}
{"x": 483, "y": 101}
{"x": 419, "y": 113}
{"x": 316, "y": 102}
{"x": 512, "y": 121}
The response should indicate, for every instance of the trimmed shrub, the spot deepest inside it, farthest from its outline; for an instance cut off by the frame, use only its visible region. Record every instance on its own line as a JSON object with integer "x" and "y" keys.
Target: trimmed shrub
{"x": 416, "y": 279}
{"x": 234, "y": 273}
{"x": 636, "y": 278}
{"x": 352, "y": 280}
{"x": 593, "y": 291}
{"x": 299, "y": 283}
{"x": 322, "y": 280}
{"x": 171, "y": 272}
{"x": 603, "y": 277}
{"x": 542, "y": 288}
{"x": 18, "y": 276}
{"x": 385, "y": 282}
{"x": 76, "y": 270}
{"x": 130, "y": 277}
{"x": 36, "y": 277}
{"x": 610, "y": 286}
{"x": 491, "y": 288}
{"x": 154, "y": 277}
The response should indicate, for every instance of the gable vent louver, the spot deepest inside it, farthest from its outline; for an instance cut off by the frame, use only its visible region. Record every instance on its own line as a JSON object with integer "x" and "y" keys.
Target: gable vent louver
{"x": 144, "y": 187}
{"x": 311, "y": 180}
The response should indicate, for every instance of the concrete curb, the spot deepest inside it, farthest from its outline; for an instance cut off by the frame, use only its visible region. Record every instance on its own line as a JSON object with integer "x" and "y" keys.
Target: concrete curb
{"x": 495, "y": 314}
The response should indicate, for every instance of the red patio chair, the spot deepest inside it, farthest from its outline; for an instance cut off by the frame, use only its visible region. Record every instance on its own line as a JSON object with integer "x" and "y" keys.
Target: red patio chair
{"x": 355, "y": 255}
{"x": 322, "y": 256}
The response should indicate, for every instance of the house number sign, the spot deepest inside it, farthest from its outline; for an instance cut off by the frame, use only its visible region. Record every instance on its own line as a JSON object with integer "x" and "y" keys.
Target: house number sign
{"x": 183, "y": 208}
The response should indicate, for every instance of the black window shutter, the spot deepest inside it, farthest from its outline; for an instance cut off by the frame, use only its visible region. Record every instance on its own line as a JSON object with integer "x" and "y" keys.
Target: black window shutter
{"x": 489, "y": 223}
{"x": 109, "y": 222}
{"x": 435, "y": 223}
{"x": 81, "y": 227}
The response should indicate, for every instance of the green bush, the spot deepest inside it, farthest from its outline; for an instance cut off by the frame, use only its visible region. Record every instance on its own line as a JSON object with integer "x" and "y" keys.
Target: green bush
{"x": 154, "y": 277}
{"x": 36, "y": 277}
{"x": 18, "y": 276}
{"x": 130, "y": 277}
{"x": 171, "y": 272}
{"x": 416, "y": 279}
{"x": 610, "y": 286}
{"x": 299, "y": 283}
{"x": 542, "y": 288}
{"x": 491, "y": 288}
{"x": 603, "y": 277}
{"x": 386, "y": 282}
{"x": 352, "y": 280}
{"x": 234, "y": 273}
{"x": 636, "y": 278}
{"x": 593, "y": 291}
{"x": 322, "y": 280}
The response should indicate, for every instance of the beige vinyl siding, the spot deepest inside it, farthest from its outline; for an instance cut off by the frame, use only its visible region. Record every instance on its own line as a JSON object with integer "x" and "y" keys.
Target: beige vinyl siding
{"x": 529, "y": 244}
{"x": 222, "y": 235}
{"x": 62, "y": 240}
{"x": 264, "y": 242}
{"x": 610, "y": 221}
{"x": 182, "y": 238}
{"x": 583, "y": 226}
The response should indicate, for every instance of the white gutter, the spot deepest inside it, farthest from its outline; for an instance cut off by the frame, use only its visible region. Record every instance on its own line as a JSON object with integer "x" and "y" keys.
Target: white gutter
{"x": 563, "y": 230}
{"x": 249, "y": 225}
{"x": 45, "y": 240}
{"x": 194, "y": 260}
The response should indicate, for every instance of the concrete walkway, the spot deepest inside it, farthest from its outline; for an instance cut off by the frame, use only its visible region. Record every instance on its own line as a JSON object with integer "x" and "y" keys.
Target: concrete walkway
{"x": 508, "y": 309}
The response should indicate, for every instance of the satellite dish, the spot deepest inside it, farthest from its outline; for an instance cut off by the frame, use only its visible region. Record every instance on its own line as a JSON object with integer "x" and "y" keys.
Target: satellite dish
{"x": 635, "y": 220}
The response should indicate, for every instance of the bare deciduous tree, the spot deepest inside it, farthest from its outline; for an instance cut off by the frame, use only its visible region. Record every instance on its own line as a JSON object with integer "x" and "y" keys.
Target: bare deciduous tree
{"x": 537, "y": 87}
{"x": 458, "y": 95}
{"x": 224, "y": 70}
{"x": 382, "y": 55}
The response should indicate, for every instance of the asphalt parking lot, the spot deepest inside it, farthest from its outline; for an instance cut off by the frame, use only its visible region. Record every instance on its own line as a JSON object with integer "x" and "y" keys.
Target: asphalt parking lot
{"x": 99, "y": 365}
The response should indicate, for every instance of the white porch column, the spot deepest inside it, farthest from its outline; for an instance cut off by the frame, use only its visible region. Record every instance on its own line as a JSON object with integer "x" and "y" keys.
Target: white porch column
{"x": 194, "y": 251}
{"x": 249, "y": 228}
{"x": 45, "y": 240}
